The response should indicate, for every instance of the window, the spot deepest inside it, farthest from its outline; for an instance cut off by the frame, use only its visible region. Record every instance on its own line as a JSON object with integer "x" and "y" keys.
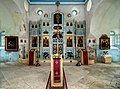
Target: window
{"x": 67, "y": 24}
{"x": 2, "y": 38}
{"x": 81, "y": 25}
{"x": 74, "y": 12}
{"x": 36, "y": 26}
{"x": 114, "y": 39}
{"x": 39, "y": 12}
{"x": 24, "y": 41}
{"x": 21, "y": 41}
{"x": 71, "y": 24}
{"x": 117, "y": 39}
{"x": 32, "y": 26}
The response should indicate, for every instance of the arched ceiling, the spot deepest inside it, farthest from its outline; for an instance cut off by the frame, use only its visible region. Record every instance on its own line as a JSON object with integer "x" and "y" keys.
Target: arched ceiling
{"x": 10, "y": 17}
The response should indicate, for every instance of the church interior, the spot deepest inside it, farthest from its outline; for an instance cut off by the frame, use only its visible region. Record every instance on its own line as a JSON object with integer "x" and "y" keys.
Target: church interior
{"x": 60, "y": 44}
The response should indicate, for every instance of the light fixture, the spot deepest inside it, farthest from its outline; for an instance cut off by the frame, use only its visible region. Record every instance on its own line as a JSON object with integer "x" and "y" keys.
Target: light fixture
{"x": 74, "y": 12}
{"x": 39, "y": 12}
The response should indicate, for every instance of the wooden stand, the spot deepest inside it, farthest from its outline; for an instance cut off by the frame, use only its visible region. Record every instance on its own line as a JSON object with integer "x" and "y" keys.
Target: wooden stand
{"x": 91, "y": 62}
{"x": 107, "y": 59}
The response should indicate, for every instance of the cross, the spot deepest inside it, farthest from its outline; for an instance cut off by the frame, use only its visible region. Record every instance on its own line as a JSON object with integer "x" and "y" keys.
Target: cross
{"x": 57, "y": 4}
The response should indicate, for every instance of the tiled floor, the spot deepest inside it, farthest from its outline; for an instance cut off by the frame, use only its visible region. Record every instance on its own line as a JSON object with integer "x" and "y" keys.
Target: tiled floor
{"x": 97, "y": 76}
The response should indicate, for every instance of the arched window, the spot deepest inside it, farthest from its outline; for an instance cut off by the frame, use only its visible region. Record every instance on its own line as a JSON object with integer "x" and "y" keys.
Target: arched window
{"x": 2, "y": 38}
{"x": 117, "y": 39}
{"x": 112, "y": 38}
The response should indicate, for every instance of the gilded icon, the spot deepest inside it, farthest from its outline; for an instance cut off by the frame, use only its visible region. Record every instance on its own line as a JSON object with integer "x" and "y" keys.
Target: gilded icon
{"x": 69, "y": 41}
{"x": 79, "y": 41}
{"x": 45, "y": 41}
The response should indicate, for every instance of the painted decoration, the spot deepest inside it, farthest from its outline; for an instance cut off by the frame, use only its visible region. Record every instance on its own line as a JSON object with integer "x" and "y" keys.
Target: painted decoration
{"x": 11, "y": 43}
{"x": 45, "y": 55}
{"x": 60, "y": 48}
{"x": 69, "y": 55}
{"x": 54, "y": 48}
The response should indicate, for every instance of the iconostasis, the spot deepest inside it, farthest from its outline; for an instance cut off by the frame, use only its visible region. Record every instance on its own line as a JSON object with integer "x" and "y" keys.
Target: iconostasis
{"x": 57, "y": 34}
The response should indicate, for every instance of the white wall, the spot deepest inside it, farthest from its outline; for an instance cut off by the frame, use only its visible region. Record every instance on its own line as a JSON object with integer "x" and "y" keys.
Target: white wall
{"x": 52, "y": 8}
{"x": 6, "y": 20}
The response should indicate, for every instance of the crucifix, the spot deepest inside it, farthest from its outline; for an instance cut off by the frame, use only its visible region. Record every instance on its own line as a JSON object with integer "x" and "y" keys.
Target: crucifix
{"x": 57, "y": 4}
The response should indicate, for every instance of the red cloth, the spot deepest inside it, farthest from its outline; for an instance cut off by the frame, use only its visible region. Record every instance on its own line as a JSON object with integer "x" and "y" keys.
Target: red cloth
{"x": 56, "y": 70}
{"x": 31, "y": 57}
{"x": 85, "y": 57}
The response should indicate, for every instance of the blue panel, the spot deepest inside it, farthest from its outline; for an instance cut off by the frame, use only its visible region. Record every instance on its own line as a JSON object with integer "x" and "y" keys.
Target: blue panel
{"x": 8, "y": 56}
{"x": 115, "y": 53}
{"x": 57, "y": 0}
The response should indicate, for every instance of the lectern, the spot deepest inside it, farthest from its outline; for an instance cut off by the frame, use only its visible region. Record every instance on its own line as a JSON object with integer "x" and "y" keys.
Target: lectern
{"x": 57, "y": 79}
{"x": 56, "y": 71}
